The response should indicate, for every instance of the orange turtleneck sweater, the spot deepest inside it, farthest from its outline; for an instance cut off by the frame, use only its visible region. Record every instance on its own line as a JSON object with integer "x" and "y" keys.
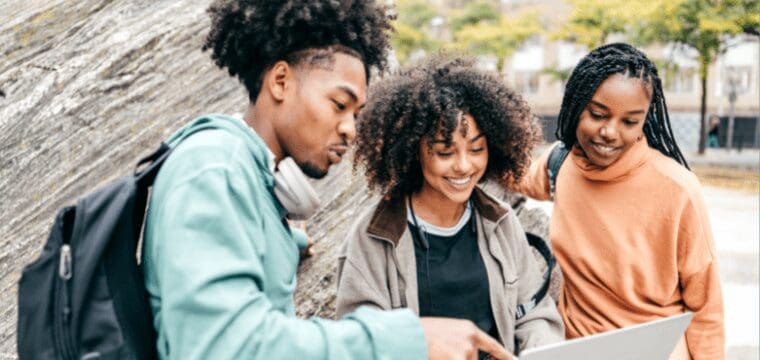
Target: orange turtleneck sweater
{"x": 634, "y": 244}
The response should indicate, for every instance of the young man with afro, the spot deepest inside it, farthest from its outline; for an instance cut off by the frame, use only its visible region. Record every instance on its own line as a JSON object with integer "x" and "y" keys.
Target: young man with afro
{"x": 219, "y": 257}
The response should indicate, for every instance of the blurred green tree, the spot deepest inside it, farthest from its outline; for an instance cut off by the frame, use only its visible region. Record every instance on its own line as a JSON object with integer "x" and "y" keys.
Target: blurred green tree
{"x": 591, "y": 22}
{"x": 482, "y": 28}
{"x": 412, "y": 27}
{"x": 705, "y": 26}
{"x": 478, "y": 28}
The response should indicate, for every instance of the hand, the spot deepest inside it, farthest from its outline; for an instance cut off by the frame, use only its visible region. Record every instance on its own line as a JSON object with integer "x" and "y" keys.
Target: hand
{"x": 453, "y": 339}
{"x": 306, "y": 252}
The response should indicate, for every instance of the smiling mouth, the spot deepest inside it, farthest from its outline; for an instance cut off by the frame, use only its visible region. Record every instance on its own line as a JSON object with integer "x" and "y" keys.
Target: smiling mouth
{"x": 459, "y": 182}
{"x": 604, "y": 150}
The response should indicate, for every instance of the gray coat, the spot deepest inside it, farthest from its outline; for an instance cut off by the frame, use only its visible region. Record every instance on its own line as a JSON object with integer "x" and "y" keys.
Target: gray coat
{"x": 377, "y": 268}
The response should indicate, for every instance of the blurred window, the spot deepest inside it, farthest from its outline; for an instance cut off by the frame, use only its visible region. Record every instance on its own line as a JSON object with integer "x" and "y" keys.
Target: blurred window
{"x": 681, "y": 80}
{"x": 526, "y": 82}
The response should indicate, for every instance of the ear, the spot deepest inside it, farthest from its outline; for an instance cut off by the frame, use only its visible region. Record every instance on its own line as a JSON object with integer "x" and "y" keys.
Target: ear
{"x": 277, "y": 80}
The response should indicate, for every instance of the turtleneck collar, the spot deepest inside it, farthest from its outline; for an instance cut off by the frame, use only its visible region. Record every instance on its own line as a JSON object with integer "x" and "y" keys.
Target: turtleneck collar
{"x": 627, "y": 164}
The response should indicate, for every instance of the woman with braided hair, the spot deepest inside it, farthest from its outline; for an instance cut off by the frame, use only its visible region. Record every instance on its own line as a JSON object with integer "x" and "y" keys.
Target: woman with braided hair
{"x": 436, "y": 243}
{"x": 629, "y": 226}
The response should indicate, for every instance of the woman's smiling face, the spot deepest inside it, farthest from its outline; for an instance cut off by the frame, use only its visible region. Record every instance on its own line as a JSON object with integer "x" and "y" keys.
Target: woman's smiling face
{"x": 613, "y": 120}
{"x": 453, "y": 171}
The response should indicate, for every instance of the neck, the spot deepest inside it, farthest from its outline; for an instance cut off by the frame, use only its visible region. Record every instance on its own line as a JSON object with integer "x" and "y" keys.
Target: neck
{"x": 436, "y": 209}
{"x": 261, "y": 121}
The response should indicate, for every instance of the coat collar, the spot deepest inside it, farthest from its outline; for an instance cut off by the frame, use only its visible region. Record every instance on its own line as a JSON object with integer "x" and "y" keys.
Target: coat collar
{"x": 389, "y": 218}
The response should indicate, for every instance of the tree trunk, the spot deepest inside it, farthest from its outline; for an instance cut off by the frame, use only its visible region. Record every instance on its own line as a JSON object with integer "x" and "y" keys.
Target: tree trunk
{"x": 703, "y": 106}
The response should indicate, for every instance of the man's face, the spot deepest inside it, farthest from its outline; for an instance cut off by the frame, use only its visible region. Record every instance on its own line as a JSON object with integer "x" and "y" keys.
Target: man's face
{"x": 321, "y": 109}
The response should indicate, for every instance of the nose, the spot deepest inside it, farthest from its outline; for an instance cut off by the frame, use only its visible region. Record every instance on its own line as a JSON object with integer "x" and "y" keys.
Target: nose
{"x": 608, "y": 132}
{"x": 463, "y": 164}
{"x": 347, "y": 128}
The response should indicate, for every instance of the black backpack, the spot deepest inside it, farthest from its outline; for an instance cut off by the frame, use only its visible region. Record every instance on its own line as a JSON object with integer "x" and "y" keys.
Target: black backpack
{"x": 84, "y": 297}
{"x": 556, "y": 158}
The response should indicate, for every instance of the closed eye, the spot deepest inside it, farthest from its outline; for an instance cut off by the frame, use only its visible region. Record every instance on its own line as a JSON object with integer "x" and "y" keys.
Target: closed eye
{"x": 341, "y": 106}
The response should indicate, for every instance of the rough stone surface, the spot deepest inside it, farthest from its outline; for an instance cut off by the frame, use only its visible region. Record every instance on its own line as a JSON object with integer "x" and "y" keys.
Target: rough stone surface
{"x": 89, "y": 86}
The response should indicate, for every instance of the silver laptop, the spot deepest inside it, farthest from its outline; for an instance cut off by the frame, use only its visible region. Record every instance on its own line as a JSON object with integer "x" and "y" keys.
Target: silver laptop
{"x": 653, "y": 340}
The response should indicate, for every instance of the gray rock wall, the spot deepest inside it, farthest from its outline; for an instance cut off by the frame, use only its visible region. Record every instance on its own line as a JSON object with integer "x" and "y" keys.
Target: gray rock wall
{"x": 89, "y": 87}
{"x": 86, "y": 88}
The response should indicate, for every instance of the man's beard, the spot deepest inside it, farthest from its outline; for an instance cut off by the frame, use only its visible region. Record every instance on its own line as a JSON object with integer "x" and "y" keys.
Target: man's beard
{"x": 312, "y": 171}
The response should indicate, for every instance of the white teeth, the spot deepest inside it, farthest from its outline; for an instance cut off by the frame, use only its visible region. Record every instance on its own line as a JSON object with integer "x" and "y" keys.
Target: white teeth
{"x": 459, "y": 182}
{"x": 604, "y": 149}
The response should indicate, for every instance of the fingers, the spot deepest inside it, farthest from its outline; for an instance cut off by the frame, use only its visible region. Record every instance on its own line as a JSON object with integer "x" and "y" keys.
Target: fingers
{"x": 491, "y": 346}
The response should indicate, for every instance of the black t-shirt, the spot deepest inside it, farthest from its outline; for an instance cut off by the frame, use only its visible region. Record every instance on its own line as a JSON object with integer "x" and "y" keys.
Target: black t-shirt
{"x": 452, "y": 279}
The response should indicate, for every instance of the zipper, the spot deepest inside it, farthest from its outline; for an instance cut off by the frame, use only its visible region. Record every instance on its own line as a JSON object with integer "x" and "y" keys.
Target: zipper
{"x": 65, "y": 272}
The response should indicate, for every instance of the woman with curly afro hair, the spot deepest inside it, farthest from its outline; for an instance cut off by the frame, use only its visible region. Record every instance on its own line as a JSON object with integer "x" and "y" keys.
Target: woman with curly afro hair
{"x": 436, "y": 243}
{"x": 219, "y": 257}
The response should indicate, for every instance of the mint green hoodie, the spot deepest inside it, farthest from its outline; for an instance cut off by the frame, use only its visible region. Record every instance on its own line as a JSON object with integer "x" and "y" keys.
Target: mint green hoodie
{"x": 220, "y": 262}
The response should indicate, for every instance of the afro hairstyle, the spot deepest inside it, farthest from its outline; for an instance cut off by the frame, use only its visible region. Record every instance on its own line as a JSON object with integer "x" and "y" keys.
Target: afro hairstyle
{"x": 248, "y": 36}
{"x": 428, "y": 99}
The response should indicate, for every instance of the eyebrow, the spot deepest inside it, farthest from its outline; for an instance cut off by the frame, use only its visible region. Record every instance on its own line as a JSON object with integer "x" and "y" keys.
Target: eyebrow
{"x": 604, "y": 107}
{"x": 350, "y": 92}
{"x": 476, "y": 138}
{"x": 471, "y": 140}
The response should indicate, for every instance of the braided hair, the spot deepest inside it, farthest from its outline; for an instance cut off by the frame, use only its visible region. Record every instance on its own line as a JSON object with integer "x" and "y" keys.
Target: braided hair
{"x": 427, "y": 99}
{"x": 598, "y": 65}
{"x": 249, "y": 36}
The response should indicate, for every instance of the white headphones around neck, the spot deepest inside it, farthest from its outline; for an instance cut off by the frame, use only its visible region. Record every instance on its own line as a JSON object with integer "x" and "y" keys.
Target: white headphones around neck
{"x": 293, "y": 190}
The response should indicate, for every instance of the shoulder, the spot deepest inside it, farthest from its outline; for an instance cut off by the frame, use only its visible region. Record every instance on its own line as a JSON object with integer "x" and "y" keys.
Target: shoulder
{"x": 510, "y": 232}
{"x": 674, "y": 179}
{"x": 213, "y": 147}
{"x": 358, "y": 235}
{"x": 213, "y": 150}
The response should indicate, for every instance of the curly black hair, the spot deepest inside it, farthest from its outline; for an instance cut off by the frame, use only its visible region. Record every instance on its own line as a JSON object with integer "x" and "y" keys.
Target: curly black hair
{"x": 419, "y": 101}
{"x": 249, "y": 36}
{"x": 598, "y": 65}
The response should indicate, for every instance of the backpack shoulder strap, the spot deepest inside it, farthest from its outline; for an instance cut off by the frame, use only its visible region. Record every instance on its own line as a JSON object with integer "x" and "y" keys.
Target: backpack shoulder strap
{"x": 154, "y": 161}
{"x": 556, "y": 158}
{"x": 539, "y": 244}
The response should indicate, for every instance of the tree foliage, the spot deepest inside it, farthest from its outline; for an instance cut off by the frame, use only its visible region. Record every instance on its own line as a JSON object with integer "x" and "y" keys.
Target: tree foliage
{"x": 482, "y": 28}
{"x": 705, "y": 26}
{"x": 499, "y": 38}
{"x": 478, "y": 28}
{"x": 591, "y": 22}
{"x": 413, "y": 28}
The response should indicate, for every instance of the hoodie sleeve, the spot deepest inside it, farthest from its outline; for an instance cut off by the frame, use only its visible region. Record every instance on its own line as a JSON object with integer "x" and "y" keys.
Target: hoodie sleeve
{"x": 700, "y": 281}
{"x": 210, "y": 263}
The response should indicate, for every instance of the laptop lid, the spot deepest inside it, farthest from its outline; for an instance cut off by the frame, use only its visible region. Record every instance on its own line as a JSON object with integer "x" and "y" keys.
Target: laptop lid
{"x": 653, "y": 340}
